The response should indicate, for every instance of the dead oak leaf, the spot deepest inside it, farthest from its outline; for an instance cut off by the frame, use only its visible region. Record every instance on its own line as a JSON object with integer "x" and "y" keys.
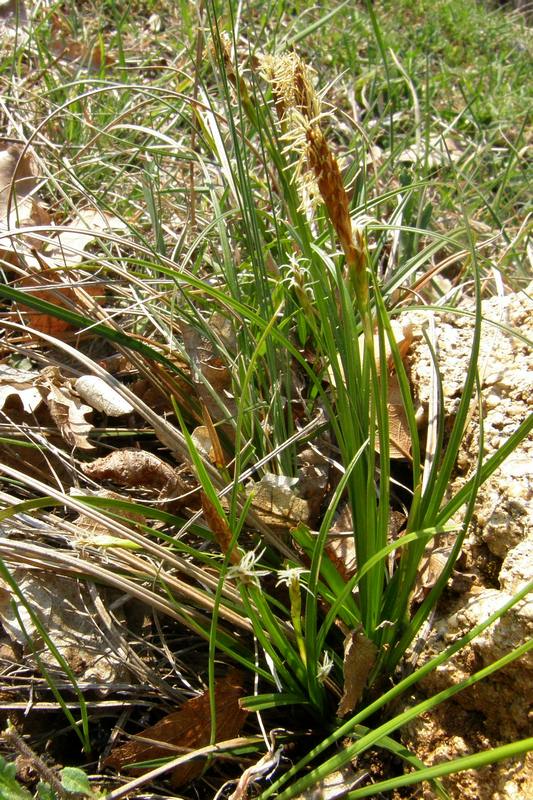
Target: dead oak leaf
{"x": 66, "y": 408}
{"x": 21, "y": 384}
{"x": 18, "y": 209}
{"x": 185, "y": 730}
{"x": 51, "y": 267}
{"x": 136, "y": 469}
{"x": 359, "y": 658}
{"x": 65, "y": 48}
{"x": 277, "y": 504}
{"x": 399, "y": 433}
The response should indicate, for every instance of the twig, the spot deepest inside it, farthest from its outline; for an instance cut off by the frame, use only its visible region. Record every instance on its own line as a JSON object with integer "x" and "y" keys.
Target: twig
{"x": 13, "y": 738}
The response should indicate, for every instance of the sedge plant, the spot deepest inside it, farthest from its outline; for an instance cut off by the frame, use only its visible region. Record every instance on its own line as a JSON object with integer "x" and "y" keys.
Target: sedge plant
{"x": 276, "y": 281}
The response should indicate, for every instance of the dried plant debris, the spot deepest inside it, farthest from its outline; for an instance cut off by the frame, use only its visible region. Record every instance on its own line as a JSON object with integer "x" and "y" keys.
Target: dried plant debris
{"x": 210, "y": 374}
{"x": 41, "y": 257}
{"x": 89, "y": 531}
{"x": 359, "y": 658}
{"x": 101, "y": 396}
{"x": 340, "y": 545}
{"x": 138, "y": 469}
{"x": 314, "y": 479}
{"x": 68, "y": 50}
{"x": 68, "y": 413}
{"x": 18, "y": 209}
{"x": 65, "y": 612}
{"x": 277, "y": 504}
{"x": 186, "y": 730}
{"x": 399, "y": 434}
{"x": 20, "y": 384}
{"x": 64, "y": 397}
{"x": 440, "y": 151}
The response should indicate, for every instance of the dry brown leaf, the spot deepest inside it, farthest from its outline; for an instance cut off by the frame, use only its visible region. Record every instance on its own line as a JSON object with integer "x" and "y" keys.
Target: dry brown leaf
{"x": 17, "y": 208}
{"x": 208, "y": 367}
{"x": 220, "y": 528}
{"x": 187, "y": 729}
{"x": 137, "y": 469}
{"x": 49, "y": 279}
{"x": 400, "y": 439}
{"x": 431, "y": 568}
{"x": 202, "y": 442}
{"x": 21, "y": 384}
{"x": 56, "y": 293}
{"x": 66, "y": 247}
{"x": 399, "y": 434}
{"x": 359, "y": 658}
{"x": 219, "y": 458}
{"x": 66, "y": 408}
{"x": 16, "y": 174}
{"x": 61, "y": 395}
{"x": 61, "y": 606}
{"x": 65, "y": 48}
{"x": 95, "y": 532}
{"x": 313, "y": 479}
{"x": 277, "y": 504}
{"x": 340, "y": 545}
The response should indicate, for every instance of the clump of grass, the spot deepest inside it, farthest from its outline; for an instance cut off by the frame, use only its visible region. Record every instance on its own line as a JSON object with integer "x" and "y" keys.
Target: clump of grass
{"x": 277, "y": 284}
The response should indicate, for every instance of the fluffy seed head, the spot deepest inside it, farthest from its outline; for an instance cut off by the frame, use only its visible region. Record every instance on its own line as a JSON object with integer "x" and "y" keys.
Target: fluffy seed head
{"x": 292, "y": 86}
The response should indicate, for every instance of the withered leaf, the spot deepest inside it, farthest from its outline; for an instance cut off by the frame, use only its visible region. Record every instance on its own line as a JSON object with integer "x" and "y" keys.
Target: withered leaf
{"x": 277, "y": 504}
{"x": 440, "y": 151}
{"x": 208, "y": 368}
{"x": 399, "y": 434}
{"x": 218, "y": 454}
{"x": 48, "y": 279}
{"x": 15, "y": 382}
{"x": 340, "y": 544}
{"x": 16, "y": 174}
{"x": 313, "y": 478}
{"x": 61, "y": 290}
{"x": 17, "y": 208}
{"x": 64, "y": 610}
{"x": 202, "y": 442}
{"x": 187, "y": 729}
{"x": 66, "y": 408}
{"x": 431, "y": 568}
{"x": 137, "y": 469}
{"x": 67, "y": 49}
{"x": 66, "y": 246}
{"x": 89, "y": 531}
{"x": 359, "y": 657}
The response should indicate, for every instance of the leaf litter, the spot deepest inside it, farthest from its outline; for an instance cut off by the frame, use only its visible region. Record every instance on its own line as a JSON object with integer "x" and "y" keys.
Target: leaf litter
{"x": 187, "y": 730}
{"x": 65, "y": 611}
